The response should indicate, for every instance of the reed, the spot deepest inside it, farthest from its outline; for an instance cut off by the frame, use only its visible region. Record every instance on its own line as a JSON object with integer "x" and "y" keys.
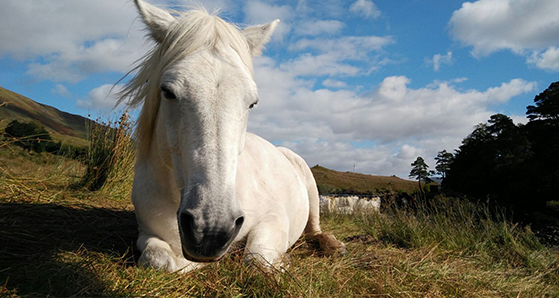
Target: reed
{"x": 110, "y": 158}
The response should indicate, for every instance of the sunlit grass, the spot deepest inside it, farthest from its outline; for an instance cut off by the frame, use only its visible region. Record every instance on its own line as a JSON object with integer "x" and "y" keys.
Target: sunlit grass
{"x": 59, "y": 241}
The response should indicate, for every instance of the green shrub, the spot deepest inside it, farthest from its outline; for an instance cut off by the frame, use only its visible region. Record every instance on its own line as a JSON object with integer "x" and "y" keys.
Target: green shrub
{"x": 29, "y": 135}
{"x": 75, "y": 152}
{"x": 323, "y": 189}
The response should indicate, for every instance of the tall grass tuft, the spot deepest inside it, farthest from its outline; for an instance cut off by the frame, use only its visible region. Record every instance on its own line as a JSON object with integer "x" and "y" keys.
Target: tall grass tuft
{"x": 470, "y": 230}
{"x": 110, "y": 158}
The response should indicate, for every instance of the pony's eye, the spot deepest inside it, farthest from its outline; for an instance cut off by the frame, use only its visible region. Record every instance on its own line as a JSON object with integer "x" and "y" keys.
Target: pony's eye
{"x": 168, "y": 93}
{"x": 253, "y": 105}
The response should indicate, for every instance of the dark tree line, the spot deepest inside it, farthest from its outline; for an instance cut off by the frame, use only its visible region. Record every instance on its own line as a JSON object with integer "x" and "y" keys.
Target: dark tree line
{"x": 515, "y": 165}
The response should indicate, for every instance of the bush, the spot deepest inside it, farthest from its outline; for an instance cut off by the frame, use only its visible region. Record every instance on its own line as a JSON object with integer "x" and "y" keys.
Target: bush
{"x": 29, "y": 135}
{"x": 67, "y": 150}
{"x": 323, "y": 189}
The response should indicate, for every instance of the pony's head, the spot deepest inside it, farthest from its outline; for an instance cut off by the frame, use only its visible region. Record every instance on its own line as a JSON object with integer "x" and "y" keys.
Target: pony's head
{"x": 197, "y": 89}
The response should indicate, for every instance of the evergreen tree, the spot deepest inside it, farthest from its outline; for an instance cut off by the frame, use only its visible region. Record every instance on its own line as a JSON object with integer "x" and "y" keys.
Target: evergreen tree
{"x": 420, "y": 172}
{"x": 444, "y": 159}
{"x": 514, "y": 164}
{"x": 543, "y": 132}
{"x": 546, "y": 105}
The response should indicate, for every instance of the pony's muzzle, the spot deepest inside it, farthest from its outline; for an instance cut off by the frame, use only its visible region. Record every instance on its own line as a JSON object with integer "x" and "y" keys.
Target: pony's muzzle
{"x": 206, "y": 243}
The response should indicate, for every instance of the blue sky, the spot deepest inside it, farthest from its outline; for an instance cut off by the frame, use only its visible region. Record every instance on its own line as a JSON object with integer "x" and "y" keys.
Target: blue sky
{"x": 367, "y": 83}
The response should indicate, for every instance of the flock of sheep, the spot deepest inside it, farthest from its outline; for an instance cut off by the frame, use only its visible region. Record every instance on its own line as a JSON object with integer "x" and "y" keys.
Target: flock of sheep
{"x": 348, "y": 204}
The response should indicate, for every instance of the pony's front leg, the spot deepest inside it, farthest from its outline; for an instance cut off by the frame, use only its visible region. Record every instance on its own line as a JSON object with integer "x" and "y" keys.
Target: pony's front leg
{"x": 156, "y": 202}
{"x": 267, "y": 242}
{"x": 159, "y": 255}
{"x": 155, "y": 240}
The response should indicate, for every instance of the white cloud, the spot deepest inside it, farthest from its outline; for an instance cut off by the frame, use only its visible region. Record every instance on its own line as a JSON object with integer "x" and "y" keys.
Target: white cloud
{"x": 365, "y": 8}
{"x": 257, "y": 12}
{"x": 507, "y": 90}
{"x": 351, "y": 46}
{"x": 384, "y": 159}
{"x": 74, "y": 39}
{"x": 436, "y": 83}
{"x": 548, "y": 60}
{"x": 325, "y": 64}
{"x": 333, "y": 83}
{"x": 519, "y": 119}
{"x": 77, "y": 39}
{"x": 521, "y": 26}
{"x": 342, "y": 156}
{"x": 439, "y": 60}
{"x": 318, "y": 27}
{"x": 224, "y": 7}
{"x": 61, "y": 90}
{"x": 407, "y": 152}
{"x": 32, "y": 32}
{"x": 398, "y": 121}
{"x": 102, "y": 98}
{"x": 334, "y": 54}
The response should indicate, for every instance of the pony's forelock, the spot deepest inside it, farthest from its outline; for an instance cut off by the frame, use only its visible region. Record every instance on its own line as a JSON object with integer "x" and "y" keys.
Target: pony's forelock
{"x": 192, "y": 30}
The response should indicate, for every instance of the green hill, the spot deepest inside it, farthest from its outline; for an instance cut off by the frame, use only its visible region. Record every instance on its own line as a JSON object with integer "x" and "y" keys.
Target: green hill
{"x": 330, "y": 181}
{"x": 65, "y": 127}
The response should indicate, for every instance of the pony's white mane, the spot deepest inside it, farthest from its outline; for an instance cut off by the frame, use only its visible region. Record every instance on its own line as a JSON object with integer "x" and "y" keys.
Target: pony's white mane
{"x": 193, "y": 30}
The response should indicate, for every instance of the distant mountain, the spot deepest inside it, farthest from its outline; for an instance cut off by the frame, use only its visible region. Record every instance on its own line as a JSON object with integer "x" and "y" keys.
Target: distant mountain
{"x": 330, "y": 181}
{"x": 62, "y": 126}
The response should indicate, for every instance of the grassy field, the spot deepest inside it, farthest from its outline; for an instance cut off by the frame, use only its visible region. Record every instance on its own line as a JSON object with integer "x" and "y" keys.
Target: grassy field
{"x": 59, "y": 240}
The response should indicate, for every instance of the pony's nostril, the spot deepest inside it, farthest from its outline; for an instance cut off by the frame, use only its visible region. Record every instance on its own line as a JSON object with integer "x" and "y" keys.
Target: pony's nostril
{"x": 186, "y": 218}
{"x": 187, "y": 225}
{"x": 239, "y": 222}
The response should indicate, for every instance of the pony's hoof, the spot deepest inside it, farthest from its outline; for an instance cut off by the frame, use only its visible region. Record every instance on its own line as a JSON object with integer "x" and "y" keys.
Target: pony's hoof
{"x": 330, "y": 245}
{"x": 257, "y": 262}
{"x": 157, "y": 258}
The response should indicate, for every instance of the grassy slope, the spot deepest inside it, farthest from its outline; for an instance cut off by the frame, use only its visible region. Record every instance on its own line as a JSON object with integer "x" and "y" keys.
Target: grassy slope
{"x": 59, "y": 241}
{"x": 334, "y": 180}
{"x": 63, "y": 126}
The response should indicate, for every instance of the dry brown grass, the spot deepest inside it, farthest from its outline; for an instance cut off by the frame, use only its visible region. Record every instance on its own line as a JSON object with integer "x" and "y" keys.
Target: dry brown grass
{"x": 92, "y": 255}
{"x": 35, "y": 176}
{"x": 71, "y": 242}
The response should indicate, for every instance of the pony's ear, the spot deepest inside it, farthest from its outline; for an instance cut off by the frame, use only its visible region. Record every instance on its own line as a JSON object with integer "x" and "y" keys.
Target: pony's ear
{"x": 258, "y": 36}
{"x": 157, "y": 20}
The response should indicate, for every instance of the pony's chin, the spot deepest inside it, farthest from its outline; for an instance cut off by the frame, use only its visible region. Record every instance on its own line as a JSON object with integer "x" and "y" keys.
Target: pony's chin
{"x": 201, "y": 259}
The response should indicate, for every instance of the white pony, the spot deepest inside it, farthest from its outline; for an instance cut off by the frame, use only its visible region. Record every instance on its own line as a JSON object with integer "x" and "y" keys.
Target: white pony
{"x": 202, "y": 182}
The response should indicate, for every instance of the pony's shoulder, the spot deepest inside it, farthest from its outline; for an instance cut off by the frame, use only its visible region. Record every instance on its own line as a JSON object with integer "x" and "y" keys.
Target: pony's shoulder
{"x": 258, "y": 147}
{"x": 264, "y": 147}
